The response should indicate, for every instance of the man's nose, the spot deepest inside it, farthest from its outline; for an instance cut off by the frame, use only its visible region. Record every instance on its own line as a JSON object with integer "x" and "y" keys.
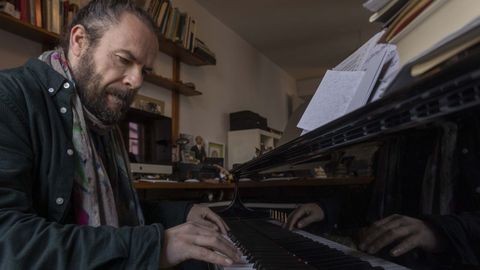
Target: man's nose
{"x": 133, "y": 78}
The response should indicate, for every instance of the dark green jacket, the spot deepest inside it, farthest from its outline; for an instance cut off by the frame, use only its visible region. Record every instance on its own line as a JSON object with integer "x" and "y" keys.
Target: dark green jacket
{"x": 36, "y": 178}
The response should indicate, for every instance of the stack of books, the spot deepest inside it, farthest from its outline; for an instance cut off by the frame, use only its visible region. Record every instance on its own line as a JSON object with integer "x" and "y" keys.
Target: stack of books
{"x": 52, "y": 15}
{"x": 414, "y": 26}
{"x": 177, "y": 26}
{"x": 431, "y": 36}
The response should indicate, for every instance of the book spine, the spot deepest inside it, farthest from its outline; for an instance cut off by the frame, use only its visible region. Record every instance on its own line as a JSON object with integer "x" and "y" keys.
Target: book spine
{"x": 38, "y": 13}
{"x": 161, "y": 14}
{"x": 23, "y": 10}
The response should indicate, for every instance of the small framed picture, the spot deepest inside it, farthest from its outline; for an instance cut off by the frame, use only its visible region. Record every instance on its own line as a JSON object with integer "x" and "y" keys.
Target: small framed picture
{"x": 216, "y": 150}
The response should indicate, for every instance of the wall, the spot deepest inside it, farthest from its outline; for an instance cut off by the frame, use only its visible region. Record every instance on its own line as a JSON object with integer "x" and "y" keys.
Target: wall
{"x": 243, "y": 79}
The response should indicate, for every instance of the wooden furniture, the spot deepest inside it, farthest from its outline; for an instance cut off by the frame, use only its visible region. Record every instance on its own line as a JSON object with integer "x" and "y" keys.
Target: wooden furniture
{"x": 177, "y": 52}
{"x": 293, "y": 189}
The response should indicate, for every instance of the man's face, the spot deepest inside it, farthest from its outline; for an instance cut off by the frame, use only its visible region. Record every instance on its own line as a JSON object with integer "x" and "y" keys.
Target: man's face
{"x": 109, "y": 75}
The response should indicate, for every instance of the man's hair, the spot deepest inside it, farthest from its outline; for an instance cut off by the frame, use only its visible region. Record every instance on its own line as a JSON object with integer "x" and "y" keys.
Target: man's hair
{"x": 99, "y": 15}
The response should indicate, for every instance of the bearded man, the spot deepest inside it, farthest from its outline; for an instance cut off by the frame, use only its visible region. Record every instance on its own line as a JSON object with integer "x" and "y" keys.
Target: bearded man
{"x": 66, "y": 198}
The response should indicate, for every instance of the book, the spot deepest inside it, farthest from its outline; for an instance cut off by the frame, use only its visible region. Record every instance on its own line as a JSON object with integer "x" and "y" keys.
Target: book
{"x": 445, "y": 20}
{"x": 55, "y": 13}
{"x": 180, "y": 27}
{"x": 162, "y": 13}
{"x": 192, "y": 34}
{"x": 23, "y": 9}
{"x": 409, "y": 13}
{"x": 457, "y": 54}
{"x": 31, "y": 11}
{"x": 186, "y": 31}
{"x": 465, "y": 39}
{"x": 432, "y": 7}
{"x": 173, "y": 21}
{"x": 38, "y": 13}
{"x": 163, "y": 25}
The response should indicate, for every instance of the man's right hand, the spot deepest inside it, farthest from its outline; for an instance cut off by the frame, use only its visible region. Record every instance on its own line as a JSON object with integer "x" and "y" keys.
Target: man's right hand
{"x": 195, "y": 241}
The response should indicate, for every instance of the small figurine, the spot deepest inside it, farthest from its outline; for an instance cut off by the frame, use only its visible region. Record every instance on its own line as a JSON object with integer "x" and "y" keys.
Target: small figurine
{"x": 199, "y": 149}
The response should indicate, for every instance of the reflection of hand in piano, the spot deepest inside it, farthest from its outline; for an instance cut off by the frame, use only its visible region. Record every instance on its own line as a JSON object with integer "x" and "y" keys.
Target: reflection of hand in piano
{"x": 409, "y": 231}
{"x": 304, "y": 215}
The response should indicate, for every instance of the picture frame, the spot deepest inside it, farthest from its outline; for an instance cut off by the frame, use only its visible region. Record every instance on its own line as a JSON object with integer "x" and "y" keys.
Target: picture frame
{"x": 216, "y": 150}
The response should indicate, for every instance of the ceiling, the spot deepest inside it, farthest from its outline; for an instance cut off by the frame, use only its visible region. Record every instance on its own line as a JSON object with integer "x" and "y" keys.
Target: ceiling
{"x": 304, "y": 37}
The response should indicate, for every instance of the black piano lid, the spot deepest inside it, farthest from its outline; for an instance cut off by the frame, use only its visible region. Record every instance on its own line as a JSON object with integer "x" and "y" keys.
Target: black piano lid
{"x": 411, "y": 106}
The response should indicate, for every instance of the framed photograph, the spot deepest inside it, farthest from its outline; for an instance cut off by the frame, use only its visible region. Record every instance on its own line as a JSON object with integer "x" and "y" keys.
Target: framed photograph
{"x": 216, "y": 150}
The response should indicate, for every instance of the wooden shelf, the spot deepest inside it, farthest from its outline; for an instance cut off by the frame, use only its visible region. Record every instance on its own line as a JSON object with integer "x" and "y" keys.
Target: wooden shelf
{"x": 27, "y": 30}
{"x": 178, "y": 52}
{"x": 50, "y": 39}
{"x": 174, "y": 86}
{"x": 300, "y": 182}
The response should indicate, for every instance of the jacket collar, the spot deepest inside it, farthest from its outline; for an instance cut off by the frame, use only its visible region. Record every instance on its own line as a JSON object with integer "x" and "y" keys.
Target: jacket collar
{"x": 48, "y": 77}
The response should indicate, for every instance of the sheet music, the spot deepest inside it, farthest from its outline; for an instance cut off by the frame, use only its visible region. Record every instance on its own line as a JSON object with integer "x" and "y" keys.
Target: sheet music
{"x": 392, "y": 68}
{"x": 331, "y": 99}
{"x": 350, "y": 84}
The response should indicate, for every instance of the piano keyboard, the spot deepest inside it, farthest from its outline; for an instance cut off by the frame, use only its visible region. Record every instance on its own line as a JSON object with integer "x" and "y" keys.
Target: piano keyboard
{"x": 267, "y": 246}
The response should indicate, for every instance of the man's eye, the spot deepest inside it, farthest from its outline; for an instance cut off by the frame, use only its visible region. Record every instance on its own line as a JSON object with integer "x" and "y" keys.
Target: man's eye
{"x": 123, "y": 60}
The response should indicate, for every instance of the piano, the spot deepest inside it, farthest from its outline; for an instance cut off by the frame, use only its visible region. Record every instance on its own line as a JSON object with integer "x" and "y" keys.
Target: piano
{"x": 266, "y": 245}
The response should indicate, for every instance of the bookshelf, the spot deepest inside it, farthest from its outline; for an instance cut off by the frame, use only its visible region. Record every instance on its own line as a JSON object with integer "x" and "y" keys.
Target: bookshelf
{"x": 49, "y": 39}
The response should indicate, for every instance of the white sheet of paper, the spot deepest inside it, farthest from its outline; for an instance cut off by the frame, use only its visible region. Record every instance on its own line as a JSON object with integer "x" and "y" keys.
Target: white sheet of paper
{"x": 331, "y": 99}
{"x": 393, "y": 68}
{"x": 373, "y": 63}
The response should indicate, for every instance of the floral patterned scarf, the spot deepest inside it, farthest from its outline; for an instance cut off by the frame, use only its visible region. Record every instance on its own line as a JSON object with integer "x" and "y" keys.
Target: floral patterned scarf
{"x": 96, "y": 199}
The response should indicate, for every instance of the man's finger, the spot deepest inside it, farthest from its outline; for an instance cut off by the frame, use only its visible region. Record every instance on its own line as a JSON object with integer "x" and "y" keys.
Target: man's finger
{"x": 208, "y": 224}
{"x": 218, "y": 221}
{"x": 307, "y": 220}
{"x": 294, "y": 217}
{"x": 389, "y": 237}
{"x": 218, "y": 243}
{"x": 206, "y": 255}
{"x": 405, "y": 246}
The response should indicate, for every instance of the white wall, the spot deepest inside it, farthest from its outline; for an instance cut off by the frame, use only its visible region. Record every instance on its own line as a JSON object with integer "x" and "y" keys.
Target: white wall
{"x": 243, "y": 79}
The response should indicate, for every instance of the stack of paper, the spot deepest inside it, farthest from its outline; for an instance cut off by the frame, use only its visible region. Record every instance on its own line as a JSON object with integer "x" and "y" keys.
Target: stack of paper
{"x": 351, "y": 84}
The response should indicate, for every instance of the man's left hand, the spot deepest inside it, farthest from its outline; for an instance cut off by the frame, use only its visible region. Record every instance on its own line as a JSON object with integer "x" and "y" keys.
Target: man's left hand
{"x": 207, "y": 217}
{"x": 409, "y": 232}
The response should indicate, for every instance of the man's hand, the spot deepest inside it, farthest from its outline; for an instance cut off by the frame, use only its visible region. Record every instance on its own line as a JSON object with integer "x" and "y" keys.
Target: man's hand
{"x": 203, "y": 215}
{"x": 304, "y": 215}
{"x": 196, "y": 241}
{"x": 410, "y": 233}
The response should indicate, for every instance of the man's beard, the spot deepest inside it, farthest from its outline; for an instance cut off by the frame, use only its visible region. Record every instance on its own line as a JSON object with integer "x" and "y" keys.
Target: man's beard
{"x": 95, "y": 98}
